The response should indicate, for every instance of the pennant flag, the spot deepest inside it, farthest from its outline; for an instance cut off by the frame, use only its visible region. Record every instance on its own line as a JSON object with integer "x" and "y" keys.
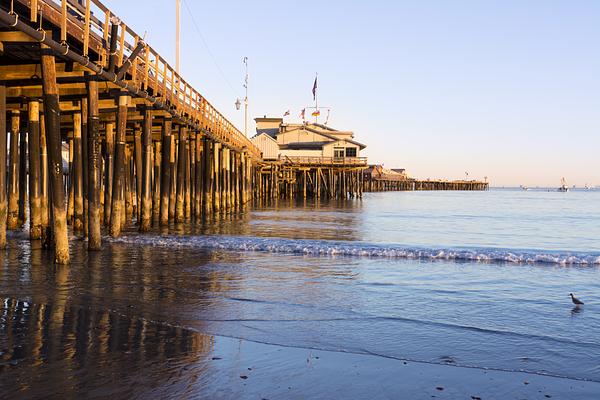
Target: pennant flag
{"x": 303, "y": 113}
{"x": 316, "y": 113}
{"x": 314, "y": 91}
{"x": 286, "y": 113}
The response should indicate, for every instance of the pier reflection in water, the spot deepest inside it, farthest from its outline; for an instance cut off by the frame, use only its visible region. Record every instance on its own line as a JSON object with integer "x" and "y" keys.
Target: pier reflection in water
{"x": 91, "y": 328}
{"x": 136, "y": 319}
{"x": 62, "y": 350}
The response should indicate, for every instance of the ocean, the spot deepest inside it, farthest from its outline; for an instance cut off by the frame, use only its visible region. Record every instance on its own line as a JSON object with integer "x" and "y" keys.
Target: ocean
{"x": 478, "y": 280}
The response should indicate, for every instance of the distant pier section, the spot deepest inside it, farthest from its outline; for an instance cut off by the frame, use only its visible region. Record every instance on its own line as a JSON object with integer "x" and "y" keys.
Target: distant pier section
{"x": 379, "y": 179}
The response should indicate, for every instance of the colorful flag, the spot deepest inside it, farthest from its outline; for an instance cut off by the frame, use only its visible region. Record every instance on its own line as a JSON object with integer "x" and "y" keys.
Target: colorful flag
{"x": 286, "y": 113}
{"x": 316, "y": 113}
{"x": 303, "y": 114}
{"x": 314, "y": 91}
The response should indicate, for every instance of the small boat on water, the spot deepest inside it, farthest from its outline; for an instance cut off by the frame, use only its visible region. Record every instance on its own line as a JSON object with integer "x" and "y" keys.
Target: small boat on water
{"x": 563, "y": 186}
{"x": 524, "y": 188}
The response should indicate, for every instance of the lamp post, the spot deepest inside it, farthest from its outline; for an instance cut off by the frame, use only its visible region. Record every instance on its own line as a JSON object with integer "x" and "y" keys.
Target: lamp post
{"x": 238, "y": 102}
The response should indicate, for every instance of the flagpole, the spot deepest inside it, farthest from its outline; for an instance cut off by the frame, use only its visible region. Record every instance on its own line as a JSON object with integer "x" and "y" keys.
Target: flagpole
{"x": 317, "y": 98}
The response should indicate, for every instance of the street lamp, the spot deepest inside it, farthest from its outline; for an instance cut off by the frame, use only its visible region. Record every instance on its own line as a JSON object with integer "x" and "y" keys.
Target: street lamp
{"x": 238, "y": 102}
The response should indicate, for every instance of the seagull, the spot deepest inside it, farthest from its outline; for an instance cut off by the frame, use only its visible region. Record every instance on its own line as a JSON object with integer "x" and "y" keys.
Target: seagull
{"x": 575, "y": 300}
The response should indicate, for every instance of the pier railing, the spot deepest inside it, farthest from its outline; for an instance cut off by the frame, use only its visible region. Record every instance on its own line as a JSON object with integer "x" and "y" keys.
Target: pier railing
{"x": 95, "y": 37}
{"x": 338, "y": 161}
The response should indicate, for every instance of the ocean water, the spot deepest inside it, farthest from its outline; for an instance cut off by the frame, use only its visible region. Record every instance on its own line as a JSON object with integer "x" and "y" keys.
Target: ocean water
{"x": 472, "y": 279}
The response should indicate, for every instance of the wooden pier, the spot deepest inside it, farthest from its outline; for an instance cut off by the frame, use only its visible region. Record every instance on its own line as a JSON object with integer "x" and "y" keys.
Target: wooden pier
{"x": 380, "y": 185}
{"x": 377, "y": 179}
{"x": 314, "y": 177}
{"x": 143, "y": 145}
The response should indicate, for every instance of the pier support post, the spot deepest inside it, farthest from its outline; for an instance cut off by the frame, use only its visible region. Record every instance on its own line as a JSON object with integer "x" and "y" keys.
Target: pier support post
{"x": 77, "y": 174}
{"x": 85, "y": 167}
{"x": 165, "y": 172}
{"x": 35, "y": 201}
{"x": 94, "y": 173}
{"x": 109, "y": 155}
{"x": 44, "y": 183}
{"x": 179, "y": 209}
{"x": 22, "y": 172}
{"x": 13, "y": 172}
{"x": 198, "y": 193}
{"x": 3, "y": 205}
{"x": 137, "y": 171}
{"x": 157, "y": 157}
{"x": 173, "y": 169}
{"x": 188, "y": 176}
{"x": 116, "y": 214}
{"x": 217, "y": 175}
{"x": 55, "y": 167}
{"x": 146, "y": 192}
{"x": 208, "y": 177}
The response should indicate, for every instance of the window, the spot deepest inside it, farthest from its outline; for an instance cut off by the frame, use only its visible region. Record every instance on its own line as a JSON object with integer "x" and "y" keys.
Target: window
{"x": 350, "y": 151}
{"x": 338, "y": 152}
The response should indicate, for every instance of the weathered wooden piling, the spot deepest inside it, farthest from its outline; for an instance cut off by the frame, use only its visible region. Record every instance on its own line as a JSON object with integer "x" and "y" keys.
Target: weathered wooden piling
{"x": 85, "y": 158}
{"x": 44, "y": 190}
{"x": 13, "y": 172}
{"x": 208, "y": 151}
{"x": 156, "y": 160}
{"x": 137, "y": 172}
{"x": 181, "y": 164}
{"x": 94, "y": 171}
{"x": 22, "y": 171}
{"x": 118, "y": 187}
{"x": 3, "y": 203}
{"x": 165, "y": 171}
{"x": 35, "y": 200}
{"x": 55, "y": 167}
{"x": 173, "y": 179}
{"x": 198, "y": 176}
{"x": 109, "y": 152}
{"x": 146, "y": 172}
{"x": 77, "y": 174}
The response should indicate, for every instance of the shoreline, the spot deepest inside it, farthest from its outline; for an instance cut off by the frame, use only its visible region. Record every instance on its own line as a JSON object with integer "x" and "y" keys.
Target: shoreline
{"x": 225, "y": 367}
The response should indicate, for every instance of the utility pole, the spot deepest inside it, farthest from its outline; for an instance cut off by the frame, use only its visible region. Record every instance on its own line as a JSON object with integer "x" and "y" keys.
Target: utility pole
{"x": 246, "y": 98}
{"x": 177, "y": 35}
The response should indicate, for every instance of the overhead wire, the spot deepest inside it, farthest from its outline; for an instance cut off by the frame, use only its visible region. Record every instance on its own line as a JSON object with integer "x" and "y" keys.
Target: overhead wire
{"x": 210, "y": 53}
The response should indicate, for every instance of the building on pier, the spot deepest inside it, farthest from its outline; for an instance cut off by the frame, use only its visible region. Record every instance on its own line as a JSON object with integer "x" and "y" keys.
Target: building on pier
{"x": 305, "y": 141}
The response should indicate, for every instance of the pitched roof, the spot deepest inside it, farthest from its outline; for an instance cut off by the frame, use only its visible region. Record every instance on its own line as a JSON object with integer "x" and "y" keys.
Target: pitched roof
{"x": 335, "y": 138}
{"x": 263, "y": 133}
{"x": 302, "y": 145}
{"x": 268, "y": 131}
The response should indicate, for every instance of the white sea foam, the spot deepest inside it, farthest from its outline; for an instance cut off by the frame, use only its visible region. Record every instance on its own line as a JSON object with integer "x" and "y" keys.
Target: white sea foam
{"x": 362, "y": 249}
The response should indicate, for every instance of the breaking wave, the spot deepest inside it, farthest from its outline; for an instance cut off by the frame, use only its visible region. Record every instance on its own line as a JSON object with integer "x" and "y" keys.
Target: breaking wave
{"x": 369, "y": 250}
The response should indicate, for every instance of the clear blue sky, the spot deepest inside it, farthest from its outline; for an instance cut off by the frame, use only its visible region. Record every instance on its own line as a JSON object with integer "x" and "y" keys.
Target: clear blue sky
{"x": 506, "y": 89}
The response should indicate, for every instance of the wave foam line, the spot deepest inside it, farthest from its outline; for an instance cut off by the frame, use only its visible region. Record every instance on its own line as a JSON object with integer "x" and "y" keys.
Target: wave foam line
{"x": 362, "y": 249}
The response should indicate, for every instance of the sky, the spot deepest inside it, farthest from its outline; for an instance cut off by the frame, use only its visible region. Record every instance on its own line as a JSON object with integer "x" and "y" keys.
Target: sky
{"x": 508, "y": 90}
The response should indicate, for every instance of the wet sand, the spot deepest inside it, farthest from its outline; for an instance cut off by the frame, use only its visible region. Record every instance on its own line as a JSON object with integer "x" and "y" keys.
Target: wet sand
{"x": 100, "y": 354}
